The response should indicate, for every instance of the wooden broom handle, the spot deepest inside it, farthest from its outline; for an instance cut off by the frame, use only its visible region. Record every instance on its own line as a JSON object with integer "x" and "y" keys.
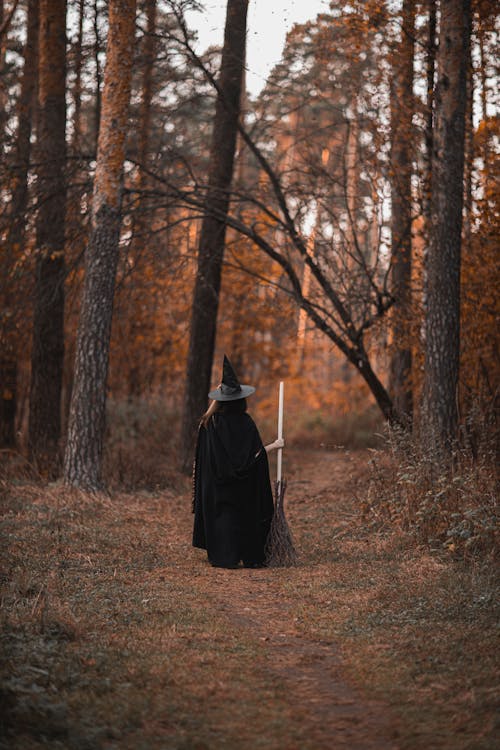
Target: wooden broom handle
{"x": 280, "y": 428}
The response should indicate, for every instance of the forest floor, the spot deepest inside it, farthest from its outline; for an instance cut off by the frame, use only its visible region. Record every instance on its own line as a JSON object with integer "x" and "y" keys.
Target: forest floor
{"x": 116, "y": 633}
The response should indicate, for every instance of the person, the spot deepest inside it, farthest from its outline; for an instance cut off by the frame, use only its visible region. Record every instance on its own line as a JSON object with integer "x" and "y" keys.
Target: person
{"x": 232, "y": 496}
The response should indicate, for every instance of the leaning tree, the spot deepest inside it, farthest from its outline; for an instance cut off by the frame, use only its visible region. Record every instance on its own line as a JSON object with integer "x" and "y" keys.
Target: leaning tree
{"x": 349, "y": 290}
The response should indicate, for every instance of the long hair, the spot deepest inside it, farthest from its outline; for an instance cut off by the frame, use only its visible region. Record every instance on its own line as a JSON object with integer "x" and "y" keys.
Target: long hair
{"x": 236, "y": 406}
{"x": 214, "y": 406}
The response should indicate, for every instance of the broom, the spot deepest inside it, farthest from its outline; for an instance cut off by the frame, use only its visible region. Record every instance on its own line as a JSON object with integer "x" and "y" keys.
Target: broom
{"x": 280, "y": 550}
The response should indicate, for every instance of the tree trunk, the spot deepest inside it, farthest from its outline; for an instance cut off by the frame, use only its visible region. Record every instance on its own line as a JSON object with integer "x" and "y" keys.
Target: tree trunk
{"x": 26, "y": 104}
{"x": 442, "y": 344}
{"x": 149, "y": 54}
{"x": 3, "y": 89}
{"x": 211, "y": 247}
{"x": 430, "y": 71}
{"x": 98, "y": 75}
{"x": 482, "y": 69}
{"x": 402, "y": 107}
{"x": 8, "y": 401}
{"x": 140, "y": 218}
{"x": 48, "y": 321}
{"x": 14, "y": 239}
{"x": 469, "y": 158}
{"x": 144, "y": 125}
{"x": 83, "y": 457}
{"x": 77, "y": 87}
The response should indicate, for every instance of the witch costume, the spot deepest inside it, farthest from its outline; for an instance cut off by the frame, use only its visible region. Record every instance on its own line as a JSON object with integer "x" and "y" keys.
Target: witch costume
{"x": 232, "y": 497}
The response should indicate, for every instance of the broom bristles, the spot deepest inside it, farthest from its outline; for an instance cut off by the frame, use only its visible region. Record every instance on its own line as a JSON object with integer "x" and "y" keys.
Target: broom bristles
{"x": 280, "y": 549}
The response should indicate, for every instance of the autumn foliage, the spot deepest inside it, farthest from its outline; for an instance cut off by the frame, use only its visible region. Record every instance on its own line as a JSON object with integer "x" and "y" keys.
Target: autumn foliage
{"x": 370, "y": 154}
{"x": 308, "y": 296}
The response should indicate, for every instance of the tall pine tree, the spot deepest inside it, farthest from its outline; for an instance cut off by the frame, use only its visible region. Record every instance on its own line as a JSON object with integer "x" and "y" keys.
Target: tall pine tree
{"x": 48, "y": 320}
{"x": 213, "y": 231}
{"x": 83, "y": 458}
{"x": 402, "y": 107}
{"x": 442, "y": 329}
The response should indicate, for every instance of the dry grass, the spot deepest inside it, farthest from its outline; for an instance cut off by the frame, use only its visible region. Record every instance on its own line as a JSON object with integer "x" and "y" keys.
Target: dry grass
{"x": 329, "y": 428}
{"x": 116, "y": 634}
{"x": 451, "y": 505}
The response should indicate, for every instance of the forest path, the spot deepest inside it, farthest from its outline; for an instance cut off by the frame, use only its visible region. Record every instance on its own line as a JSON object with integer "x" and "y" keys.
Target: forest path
{"x": 331, "y": 711}
{"x": 261, "y": 604}
{"x": 118, "y": 635}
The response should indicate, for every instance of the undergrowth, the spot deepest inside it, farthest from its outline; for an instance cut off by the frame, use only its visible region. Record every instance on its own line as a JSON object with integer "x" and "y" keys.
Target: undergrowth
{"x": 142, "y": 438}
{"x": 326, "y": 429}
{"x": 115, "y": 633}
{"x": 446, "y": 504}
{"x": 140, "y": 446}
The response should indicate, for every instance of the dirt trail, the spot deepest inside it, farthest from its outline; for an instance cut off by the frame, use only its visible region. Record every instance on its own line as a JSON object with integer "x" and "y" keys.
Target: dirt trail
{"x": 118, "y": 635}
{"x": 337, "y": 715}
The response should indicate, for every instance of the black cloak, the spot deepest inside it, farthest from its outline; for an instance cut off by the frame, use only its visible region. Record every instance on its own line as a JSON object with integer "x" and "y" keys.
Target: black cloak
{"x": 232, "y": 497}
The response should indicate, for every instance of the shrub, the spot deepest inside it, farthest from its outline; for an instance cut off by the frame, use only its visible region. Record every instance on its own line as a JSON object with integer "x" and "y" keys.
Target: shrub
{"x": 452, "y": 506}
{"x": 140, "y": 445}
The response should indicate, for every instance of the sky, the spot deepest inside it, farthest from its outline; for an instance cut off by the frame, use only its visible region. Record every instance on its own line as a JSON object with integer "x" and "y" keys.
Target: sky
{"x": 268, "y": 23}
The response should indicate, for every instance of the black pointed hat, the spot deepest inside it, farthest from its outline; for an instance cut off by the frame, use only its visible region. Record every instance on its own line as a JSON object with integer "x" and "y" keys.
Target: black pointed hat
{"x": 230, "y": 388}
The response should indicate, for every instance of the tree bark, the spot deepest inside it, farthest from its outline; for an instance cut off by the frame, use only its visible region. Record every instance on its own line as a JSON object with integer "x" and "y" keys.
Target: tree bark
{"x": 83, "y": 457}
{"x": 48, "y": 320}
{"x": 430, "y": 72}
{"x": 482, "y": 69}
{"x": 149, "y": 54}
{"x": 25, "y": 108}
{"x": 212, "y": 237}
{"x": 14, "y": 239}
{"x": 442, "y": 344}
{"x": 98, "y": 75}
{"x": 3, "y": 93}
{"x": 402, "y": 107}
{"x": 469, "y": 158}
{"x": 5, "y": 19}
{"x": 140, "y": 217}
{"x": 8, "y": 402}
{"x": 77, "y": 87}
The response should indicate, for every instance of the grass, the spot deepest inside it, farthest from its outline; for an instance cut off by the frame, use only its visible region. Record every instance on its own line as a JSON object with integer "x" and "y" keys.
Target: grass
{"x": 442, "y": 503}
{"x": 116, "y": 634}
{"x": 105, "y": 634}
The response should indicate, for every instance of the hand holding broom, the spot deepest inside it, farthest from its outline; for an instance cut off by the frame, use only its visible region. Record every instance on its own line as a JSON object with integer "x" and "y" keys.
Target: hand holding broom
{"x": 280, "y": 550}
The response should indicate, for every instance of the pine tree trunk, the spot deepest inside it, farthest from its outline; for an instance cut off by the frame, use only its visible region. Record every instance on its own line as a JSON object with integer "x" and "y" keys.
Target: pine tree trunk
{"x": 77, "y": 86}
{"x": 140, "y": 218}
{"x": 48, "y": 320}
{"x": 8, "y": 402}
{"x": 482, "y": 70}
{"x": 149, "y": 54}
{"x": 469, "y": 159}
{"x": 3, "y": 90}
{"x": 430, "y": 72}
{"x": 402, "y": 107}
{"x": 442, "y": 344}
{"x": 83, "y": 457}
{"x": 98, "y": 74}
{"x": 14, "y": 240}
{"x": 212, "y": 238}
{"x": 25, "y": 108}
